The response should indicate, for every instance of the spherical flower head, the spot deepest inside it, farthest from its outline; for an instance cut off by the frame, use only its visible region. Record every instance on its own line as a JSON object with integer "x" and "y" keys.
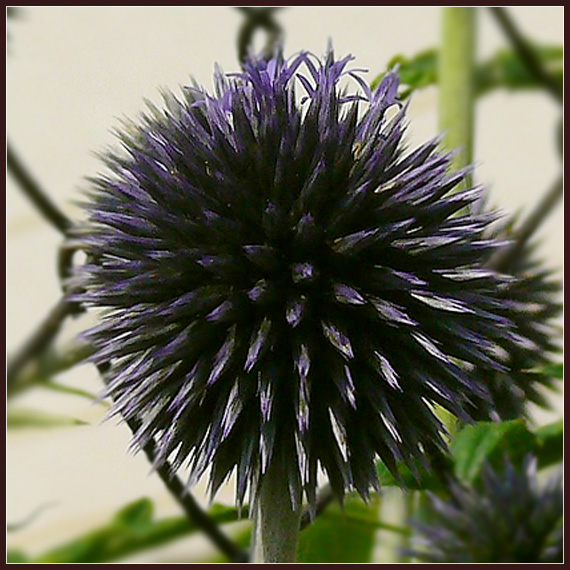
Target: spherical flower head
{"x": 284, "y": 282}
{"x": 511, "y": 518}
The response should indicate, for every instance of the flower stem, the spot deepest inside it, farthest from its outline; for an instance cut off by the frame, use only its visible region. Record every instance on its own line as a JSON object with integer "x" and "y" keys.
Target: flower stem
{"x": 39, "y": 340}
{"x": 48, "y": 363}
{"x": 276, "y": 522}
{"x": 456, "y": 83}
{"x": 35, "y": 192}
{"x": 527, "y": 53}
{"x": 409, "y": 501}
{"x": 324, "y": 499}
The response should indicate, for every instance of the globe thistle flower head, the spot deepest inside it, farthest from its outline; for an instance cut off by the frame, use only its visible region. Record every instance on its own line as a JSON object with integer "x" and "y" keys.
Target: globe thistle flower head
{"x": 511, "y": 518}
{"x": 282, "y": 281}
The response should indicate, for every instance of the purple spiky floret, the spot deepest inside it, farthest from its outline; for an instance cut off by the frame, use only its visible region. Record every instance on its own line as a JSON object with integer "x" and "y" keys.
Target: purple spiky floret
{"x": 510, "y": 517}
{"x": 283, "y": 281}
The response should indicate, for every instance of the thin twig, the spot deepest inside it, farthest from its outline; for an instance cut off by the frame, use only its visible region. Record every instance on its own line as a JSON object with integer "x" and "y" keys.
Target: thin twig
{"x": 526, "y": 52}
{"x": 37, "y": 344}
{"x": 35, "y": 193}
{"x": 324, "y": 498}
{"x": 258, "y": 18}
{"x": 39, "y": 339}
{"x": 189, "y": 504}
{"x": 14, "y": 527}
{"x": 182, "y": 495}
{"x": 503, "y": 258}
{"x": 49, "y": 362}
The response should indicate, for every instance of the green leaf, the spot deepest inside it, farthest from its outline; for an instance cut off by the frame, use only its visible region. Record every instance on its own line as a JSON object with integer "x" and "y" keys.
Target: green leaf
{"x": 503, "y": 70}
{"x": 341, "y": 536}
{"x": 415, "y": 73}
{"x": 136, "y": 515}
{"x": 481, "y": 442}
{"x": 23, "y": 418}
{"x": 422, "y": 480}
{"x": 132, "y": 529}
{"x": 550, "y": 440}
{"x": 506, "y": 70}
{"x": 489, "y": 442}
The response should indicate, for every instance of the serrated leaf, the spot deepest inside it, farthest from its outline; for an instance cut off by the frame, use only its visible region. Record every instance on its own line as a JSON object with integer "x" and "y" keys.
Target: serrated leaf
{"x": 132, "y": 529}
{"x": 23, "y": 418}
{"x": 550, "y": 440}
{"x": 341, "y": 536}
{"x": 489, "y": 442}
{"x": 503, "y": 70}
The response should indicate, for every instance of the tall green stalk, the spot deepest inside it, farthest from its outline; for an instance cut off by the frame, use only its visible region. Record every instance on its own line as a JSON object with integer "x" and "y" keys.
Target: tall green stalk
{"x": 456, "y": 119}
{"x": 408, "y": 505}
{"x": 457, "y": 98}
{"x": 456, "y": 82}
{"x": 276, "y": 523}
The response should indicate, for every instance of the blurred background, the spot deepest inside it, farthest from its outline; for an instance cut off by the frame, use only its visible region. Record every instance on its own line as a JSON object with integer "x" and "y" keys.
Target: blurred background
{"x": 72, "y": 74}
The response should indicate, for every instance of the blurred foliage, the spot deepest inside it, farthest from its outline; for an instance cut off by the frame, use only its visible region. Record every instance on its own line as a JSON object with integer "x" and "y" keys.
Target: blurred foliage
{"x": 476, "y": 444}
{"x": 489, "y": 442}
{"x": 72, "y": 391}
{"x": 21, "y": 418}
{"x": 30, "y": 519}
{"x": 504, "y": 70}
{"x": 550, "y": 440}
{"x": 341, "y": 535}
{"x": 553, "y": 371}
{"x": 131, "y": 530}
{"x": 408, "y": 480}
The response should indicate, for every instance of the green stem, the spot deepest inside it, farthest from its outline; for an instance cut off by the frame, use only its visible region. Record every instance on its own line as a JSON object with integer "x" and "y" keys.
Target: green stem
{"x": 51, "y": 361}
{"x": 456, "y": 83}
{"x": 276, "y": 522}
{"x": 457, "y": 98}
{"x": 408, "y": 509}
{"x": 527, "y": 53}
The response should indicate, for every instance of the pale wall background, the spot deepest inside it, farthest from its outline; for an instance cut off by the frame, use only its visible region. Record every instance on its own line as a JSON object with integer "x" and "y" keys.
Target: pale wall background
{"x": 72, "y": 73}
